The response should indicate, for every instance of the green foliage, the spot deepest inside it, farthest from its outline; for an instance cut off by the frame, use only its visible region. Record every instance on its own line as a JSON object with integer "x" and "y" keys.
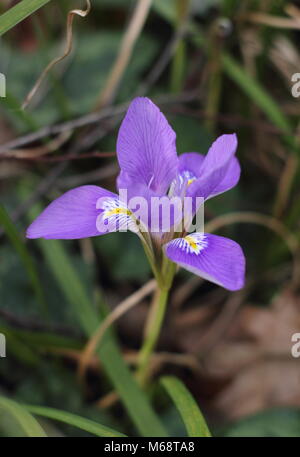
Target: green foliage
{"x": 19, "y": 12}
{"x": 76, "y": 296}
{"x": 131, "y": 265}
{"x": 16, "y": 421}
{"x": 71, "y": 419}
{"x": 80, "y": 77}
{"x": 187, "y": 407}
{"x": 23, "y": 253}
{"x": 272, "y": 423}
{"x": 191, "y": 135}
{"x": 258, "y": 95}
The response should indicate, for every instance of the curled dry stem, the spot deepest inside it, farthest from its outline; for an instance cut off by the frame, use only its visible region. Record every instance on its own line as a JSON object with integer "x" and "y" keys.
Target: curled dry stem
{"x": 68, "y": 48}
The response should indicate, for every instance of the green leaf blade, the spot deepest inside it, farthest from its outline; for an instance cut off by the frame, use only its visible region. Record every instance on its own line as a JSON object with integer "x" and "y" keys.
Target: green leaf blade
{"x": 134, "y": 399}
{"x": 187, "y": 407}
{"x": 19, "y": 12}
{"x": 76, "y": 421}
{"x": 22, "y": 423}
{"x": 256, "y": 92}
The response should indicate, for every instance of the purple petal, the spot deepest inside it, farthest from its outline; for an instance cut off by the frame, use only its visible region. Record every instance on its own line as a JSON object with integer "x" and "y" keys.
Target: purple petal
{"x": 219, "y": 155}
{"x": 191, "y": 162}
{"x": 139, "y": 199}
{"x": 116, "y": 215}
{"x": 189, "y": 169}
{"x": 71, "y": 216}
{"x": 231, "y": 178}
{"x": 215, "y": 166}
{"x": 124, "y": 181}
{"x": 156, "y": 211}
{"x": 146, "y": 146}
{"x": 215, "y": 258}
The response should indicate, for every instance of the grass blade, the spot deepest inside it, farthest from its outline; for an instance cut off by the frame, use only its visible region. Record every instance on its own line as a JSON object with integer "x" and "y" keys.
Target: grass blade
{"x": 72, "y": 419}
{"x": 253, "y": 89}
{"x": 187, "y": 407}
{"x": 133, "y": 398}
{"x": 19, "y": 12}
{"x": 256, "y": 93}
{"x": 16, "y": 113}
{"x": 41, "y": 339}
{"x": 16, "y": 421}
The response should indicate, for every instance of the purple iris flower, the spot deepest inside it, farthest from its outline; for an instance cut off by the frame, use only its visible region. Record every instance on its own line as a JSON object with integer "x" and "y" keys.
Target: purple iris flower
{"x": 150, "y": 167}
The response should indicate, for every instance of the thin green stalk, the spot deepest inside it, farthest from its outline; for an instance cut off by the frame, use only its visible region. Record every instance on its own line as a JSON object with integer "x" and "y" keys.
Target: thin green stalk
{"x": 214, "y": 80}
{"x": 177, "y": 68}
{"x": 179, "y": 60}
{"x": 149, "y": 255}
{"x": 154, "y": 323}
{"x": 153, "y": 327}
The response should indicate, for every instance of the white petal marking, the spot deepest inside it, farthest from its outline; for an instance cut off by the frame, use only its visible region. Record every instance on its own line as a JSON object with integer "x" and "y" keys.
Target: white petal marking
{"x": 180, "y": 184}
{"x": 192, "y": 244}
{"x": 115, "y": 216}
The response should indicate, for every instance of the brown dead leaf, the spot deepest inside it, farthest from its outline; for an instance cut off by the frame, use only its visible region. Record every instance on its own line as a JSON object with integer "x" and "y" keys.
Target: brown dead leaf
{"x": 266, "y": 384}
{"x": 254, "y": 358}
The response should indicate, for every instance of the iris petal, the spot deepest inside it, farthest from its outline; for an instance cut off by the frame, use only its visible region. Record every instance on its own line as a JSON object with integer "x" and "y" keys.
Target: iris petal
{"x": 71, "y": 216}
{"x": 220, "y": 171}
{"x": 115, "y": 216}
{"x": 215, "y": 258}
{"x": 231, "y": 178}
{"x": 191, "y": 162}
{"x": 146, "y": 147}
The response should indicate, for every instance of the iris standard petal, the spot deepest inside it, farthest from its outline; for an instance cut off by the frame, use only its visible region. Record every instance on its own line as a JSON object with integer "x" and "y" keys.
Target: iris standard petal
{"x": 208, "y": 187}
{"x": 219, "y": 155}
{"x": 231, "y": 178}
{"x": 215, "y": 258}
{"x": 191, "y": 162}
{"x": 124, "y": 181}
{"x": 73, "y": 215}
{"x": 217, "y": 164}
{"x": 146, "y": 146}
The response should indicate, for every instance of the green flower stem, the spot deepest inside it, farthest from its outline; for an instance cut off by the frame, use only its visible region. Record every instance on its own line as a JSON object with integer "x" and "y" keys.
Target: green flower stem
{"x": 154, "y": 323}
{"x": 178, "y": 65}
{"x": 150, "y": 256}
{"x": 153, "y": 327}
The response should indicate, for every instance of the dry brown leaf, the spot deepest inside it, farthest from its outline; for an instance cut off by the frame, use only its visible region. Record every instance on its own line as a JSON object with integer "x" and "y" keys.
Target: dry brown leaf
{"x": 254, "y": 359}
{"x": 267, "y": 384}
